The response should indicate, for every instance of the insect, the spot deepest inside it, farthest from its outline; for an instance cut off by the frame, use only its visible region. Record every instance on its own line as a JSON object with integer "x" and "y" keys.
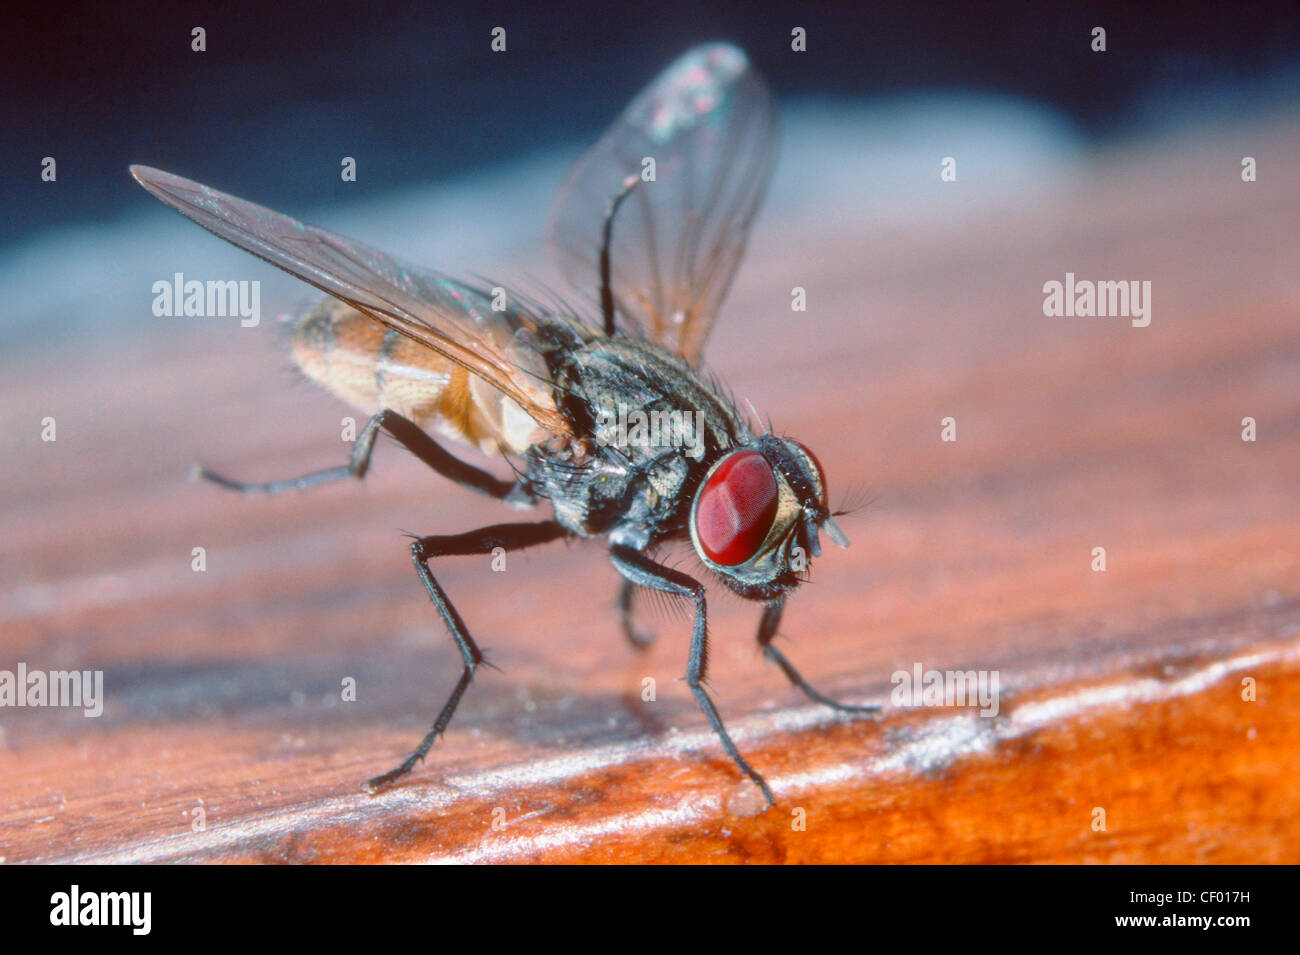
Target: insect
{"x": 552, "y": 389}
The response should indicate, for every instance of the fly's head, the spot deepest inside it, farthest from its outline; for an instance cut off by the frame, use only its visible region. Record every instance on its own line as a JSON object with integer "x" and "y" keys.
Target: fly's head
{"x": 757, "y": 516}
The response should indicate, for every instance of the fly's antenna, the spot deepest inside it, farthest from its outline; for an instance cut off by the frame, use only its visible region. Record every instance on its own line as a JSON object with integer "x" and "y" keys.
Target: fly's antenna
{"x": 856, "y": 499}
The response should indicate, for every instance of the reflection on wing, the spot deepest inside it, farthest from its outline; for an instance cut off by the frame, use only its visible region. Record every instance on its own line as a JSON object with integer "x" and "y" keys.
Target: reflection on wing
{"x": 709, "y": 125}
{"x": 453, "y": 319}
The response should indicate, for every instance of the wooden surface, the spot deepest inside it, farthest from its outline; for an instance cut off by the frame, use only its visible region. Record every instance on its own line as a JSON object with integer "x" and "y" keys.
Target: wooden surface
{"x": 1121, "y": 690}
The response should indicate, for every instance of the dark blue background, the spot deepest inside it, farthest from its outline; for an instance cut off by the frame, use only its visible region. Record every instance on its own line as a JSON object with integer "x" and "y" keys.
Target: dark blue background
{"x": 414, "y": 91}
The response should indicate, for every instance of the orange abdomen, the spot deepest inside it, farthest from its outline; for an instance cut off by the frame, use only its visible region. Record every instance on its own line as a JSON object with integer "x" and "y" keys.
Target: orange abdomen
{"x": 374, "y": 368}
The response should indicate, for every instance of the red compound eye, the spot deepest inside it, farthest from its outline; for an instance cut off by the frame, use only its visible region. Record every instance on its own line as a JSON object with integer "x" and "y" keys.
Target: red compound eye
{"x": 736, "y": 508}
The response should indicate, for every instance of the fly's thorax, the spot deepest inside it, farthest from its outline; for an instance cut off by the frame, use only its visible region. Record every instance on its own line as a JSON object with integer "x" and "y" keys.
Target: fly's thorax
{"x": 600, "y": 493}
{"x": 650, "y": 427}
{"x": 645, "y": 403}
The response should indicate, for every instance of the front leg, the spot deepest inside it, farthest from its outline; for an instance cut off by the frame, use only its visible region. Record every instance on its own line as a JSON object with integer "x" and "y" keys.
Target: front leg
{"x": 641, "y": 570}
{"x": 481, "y": 541}
{"x": 767, "y": 627}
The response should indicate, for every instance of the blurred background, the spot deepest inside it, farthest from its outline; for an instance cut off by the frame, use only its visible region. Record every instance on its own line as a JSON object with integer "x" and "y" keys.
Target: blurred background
{"x": 477, "y": 139}
{"x": 925, "y": 302}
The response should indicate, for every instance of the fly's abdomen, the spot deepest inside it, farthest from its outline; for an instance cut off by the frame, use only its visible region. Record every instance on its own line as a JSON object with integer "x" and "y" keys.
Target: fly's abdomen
{"x": 374, "y": 368}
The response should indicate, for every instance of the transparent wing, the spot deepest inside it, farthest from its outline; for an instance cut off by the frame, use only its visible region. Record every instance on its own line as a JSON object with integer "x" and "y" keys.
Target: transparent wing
{"x": 453, "y": 319}
{"x": 709, "y": 125}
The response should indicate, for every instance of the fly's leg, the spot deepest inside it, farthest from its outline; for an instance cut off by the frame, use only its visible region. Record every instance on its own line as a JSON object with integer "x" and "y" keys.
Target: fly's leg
{"x": 481, "y": 541}
{"x": 767, "y": 632}
{"x": 639, "y": 639}
{"x": 409, "y": 435}
{"x": 644, "y": 572}
{"x": 606, "y": 287}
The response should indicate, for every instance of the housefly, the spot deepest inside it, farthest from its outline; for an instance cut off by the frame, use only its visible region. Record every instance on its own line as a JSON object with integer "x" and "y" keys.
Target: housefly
{"x": 649, "y": 227}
